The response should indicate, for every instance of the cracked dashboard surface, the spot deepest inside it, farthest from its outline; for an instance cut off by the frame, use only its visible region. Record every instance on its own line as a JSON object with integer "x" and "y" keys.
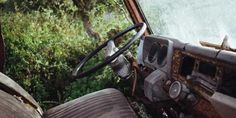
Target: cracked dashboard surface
{"x": 190, "y": 75}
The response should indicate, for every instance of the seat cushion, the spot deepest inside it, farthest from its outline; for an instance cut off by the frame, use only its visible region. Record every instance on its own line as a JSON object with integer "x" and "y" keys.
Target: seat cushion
{"x": 107, "y": 103}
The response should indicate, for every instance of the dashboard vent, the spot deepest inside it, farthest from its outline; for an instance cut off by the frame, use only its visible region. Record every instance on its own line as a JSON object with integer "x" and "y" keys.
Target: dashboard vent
{"x": 207, "y": 69}
{"x": 187, "y": 66}
{"x": 228, "y": 84}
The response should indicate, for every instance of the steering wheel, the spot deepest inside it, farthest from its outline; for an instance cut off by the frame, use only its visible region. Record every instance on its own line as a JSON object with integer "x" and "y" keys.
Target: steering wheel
{"x": 108, "y": 60}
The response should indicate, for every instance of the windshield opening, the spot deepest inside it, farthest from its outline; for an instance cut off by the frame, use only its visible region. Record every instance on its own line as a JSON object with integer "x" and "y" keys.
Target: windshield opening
{"x": 192, "y": 21}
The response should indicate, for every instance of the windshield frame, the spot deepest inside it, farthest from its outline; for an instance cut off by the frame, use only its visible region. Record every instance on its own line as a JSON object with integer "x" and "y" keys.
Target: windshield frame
{"x": 137, "y": 14}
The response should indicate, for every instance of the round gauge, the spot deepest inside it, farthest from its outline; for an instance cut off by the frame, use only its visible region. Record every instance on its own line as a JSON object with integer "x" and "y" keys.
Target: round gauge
{"x": 175, "y": 89}
{"x": 162, "y": 54}
{"x": 153, "y": 52}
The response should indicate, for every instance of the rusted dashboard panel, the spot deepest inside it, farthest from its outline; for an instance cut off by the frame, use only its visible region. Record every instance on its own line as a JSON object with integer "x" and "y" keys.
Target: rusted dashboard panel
{"x": 203, "y": 74}
{"x": 186, "y": 66}
{"x": 189, "y": 75}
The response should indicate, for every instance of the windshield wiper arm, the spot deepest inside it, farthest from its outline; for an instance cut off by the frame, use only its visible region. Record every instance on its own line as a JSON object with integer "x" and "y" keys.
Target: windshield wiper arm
{"x": 224, "y": 46}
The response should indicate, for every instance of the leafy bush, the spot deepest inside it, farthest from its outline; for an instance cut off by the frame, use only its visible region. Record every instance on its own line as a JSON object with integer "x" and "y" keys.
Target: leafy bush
{"x": 43, "y": 47}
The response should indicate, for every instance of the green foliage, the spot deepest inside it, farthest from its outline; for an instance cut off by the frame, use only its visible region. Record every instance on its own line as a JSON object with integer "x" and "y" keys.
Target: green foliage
{"x": 42, "y": 49}
{"x": 38, "y": 5}
{"x": 85, "y": 6}
{"x": 44, "y": 43}
{"x": 139, "y": 108}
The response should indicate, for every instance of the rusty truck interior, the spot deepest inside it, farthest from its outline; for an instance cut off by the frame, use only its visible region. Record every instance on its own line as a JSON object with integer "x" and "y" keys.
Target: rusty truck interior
{"x": 172, "y": 77}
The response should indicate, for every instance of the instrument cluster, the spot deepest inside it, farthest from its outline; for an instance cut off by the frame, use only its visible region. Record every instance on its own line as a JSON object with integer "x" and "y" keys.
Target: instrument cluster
{"x": 157, "y": 53}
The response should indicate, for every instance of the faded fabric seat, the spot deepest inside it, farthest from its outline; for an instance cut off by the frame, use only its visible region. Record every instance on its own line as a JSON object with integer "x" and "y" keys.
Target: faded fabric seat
{"x": 107, "y": 103}
{"x": 15, "y": 102}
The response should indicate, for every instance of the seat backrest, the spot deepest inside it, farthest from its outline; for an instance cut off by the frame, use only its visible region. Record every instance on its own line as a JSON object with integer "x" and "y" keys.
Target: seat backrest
{"x": 10, "y": 87}
{"x": 14, "y": 107}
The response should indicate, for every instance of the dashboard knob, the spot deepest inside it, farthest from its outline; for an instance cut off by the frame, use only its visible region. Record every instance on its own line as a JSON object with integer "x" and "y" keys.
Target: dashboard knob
{"x": 178, "y": 91}
{"x": 175, "y": 90}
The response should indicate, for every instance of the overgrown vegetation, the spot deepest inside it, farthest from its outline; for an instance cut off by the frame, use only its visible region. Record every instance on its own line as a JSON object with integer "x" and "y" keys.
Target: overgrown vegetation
{"x": 46, "y": 39}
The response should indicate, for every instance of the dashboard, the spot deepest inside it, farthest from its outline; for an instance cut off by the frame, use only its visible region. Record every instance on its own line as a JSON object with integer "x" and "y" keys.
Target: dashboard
{"x": 190, "y": 75}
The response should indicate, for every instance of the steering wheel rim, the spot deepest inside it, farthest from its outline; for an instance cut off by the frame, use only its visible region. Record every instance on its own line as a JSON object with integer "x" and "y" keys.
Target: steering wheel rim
{"x": 115, "y": 55}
